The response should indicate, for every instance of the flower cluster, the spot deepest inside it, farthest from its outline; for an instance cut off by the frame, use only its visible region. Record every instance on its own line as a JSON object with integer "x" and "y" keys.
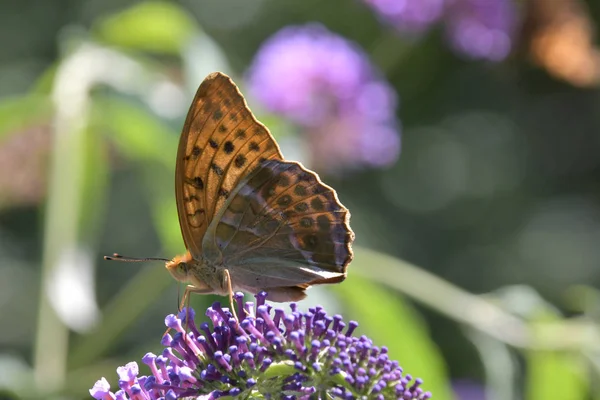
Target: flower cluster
{"x": 327, "y": 85}
{"x": 269, "y": 354}
{"x": 410, "y": 16}
{"x": 478, "y": 29}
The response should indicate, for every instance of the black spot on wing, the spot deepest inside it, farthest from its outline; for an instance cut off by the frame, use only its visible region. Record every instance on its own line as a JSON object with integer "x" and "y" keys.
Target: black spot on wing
{"x": 301, "y": 207}
{"x": 240, "y": 160}
{"x": 228, "y": 147}
{"x": 218, "y": 114}
{"x": 284, "y": 181}
{"x": 240, "y": 134}
{"x": 317, "y": 204}
{"x": 323, "y": 223}
{"x": 284, "y": 200}
{"x": 216, "y": 169}
{"x": 300, "y": 190}
{"x": 197, "y": 182}
{"x": 306, "y": 222}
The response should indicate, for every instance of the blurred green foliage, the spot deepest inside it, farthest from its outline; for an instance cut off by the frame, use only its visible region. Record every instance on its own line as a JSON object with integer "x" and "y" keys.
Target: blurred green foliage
{"x": 497, "y": 185}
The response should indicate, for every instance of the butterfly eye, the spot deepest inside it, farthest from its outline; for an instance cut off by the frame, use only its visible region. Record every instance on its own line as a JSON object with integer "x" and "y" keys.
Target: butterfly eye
{"x": 183, "y": 268}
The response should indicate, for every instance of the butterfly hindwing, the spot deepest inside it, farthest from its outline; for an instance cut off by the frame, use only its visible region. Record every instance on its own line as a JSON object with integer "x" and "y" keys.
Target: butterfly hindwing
{"x": 221, "y": 143}
{"x": 281, "y": 227}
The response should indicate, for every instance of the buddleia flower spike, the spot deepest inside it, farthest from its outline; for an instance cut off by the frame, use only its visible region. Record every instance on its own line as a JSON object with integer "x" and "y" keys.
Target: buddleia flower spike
{"x": 269, "y": 354}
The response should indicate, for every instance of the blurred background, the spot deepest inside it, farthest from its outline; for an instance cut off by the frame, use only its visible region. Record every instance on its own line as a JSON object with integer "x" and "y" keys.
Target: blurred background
{"x": 463, "y": 135}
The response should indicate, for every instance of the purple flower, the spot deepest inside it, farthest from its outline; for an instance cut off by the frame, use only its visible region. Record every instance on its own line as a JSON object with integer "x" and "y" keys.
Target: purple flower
{"x": 326, "y": 85}
{"x": 478, "y": 29}
{"x": 468, "y": 390}
{"x": 409, "y": 16}
{"x": 481, "y": 29}
{"x": 300, "y": 355}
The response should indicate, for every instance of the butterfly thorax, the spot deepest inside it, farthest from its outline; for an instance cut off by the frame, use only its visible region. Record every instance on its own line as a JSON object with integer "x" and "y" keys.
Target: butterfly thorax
{"x": 204, "y": 276}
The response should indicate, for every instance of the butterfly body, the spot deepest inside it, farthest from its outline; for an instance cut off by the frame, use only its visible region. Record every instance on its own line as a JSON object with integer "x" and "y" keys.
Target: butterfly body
{"x": 251, "y": 220}
{"x": 205, "y": 278}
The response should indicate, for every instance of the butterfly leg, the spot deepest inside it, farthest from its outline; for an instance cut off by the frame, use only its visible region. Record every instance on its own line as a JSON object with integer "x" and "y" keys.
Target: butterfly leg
{"x": 186, "y": 297}
{"x": 192, "y": 289}
{"x": 227, "y": 277}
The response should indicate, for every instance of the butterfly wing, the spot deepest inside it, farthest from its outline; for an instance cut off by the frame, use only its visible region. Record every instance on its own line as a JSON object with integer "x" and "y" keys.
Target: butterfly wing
{"x": 221, "y": 143}
{"x": 281, "y": 228}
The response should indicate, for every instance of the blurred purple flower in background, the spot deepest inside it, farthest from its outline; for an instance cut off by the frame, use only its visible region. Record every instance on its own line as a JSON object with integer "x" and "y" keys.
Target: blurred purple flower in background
{"x": 477, "y": 29}
{"x": 270, "y": 354}
{"x": 327, "y": 85}
{"x": 468, "y": 390}
{"x": 481, "y": 29}
{"x": 408, "y": 16}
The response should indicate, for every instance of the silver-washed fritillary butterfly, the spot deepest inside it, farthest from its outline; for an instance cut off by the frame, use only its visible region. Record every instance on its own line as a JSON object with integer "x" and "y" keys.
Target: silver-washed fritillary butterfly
{"x": 251, "y": 220}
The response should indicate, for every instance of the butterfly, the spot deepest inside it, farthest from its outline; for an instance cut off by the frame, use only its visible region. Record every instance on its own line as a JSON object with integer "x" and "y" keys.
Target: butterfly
{"x": 251, "y": 220}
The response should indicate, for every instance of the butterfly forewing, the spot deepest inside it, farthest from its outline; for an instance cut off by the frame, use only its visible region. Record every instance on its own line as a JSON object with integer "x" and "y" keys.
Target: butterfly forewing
{"x": 221, "y": 143}
{"x": 281, "y": 227}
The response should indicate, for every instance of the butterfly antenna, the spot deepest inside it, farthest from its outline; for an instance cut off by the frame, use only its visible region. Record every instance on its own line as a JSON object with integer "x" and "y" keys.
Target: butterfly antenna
{"x": 118, "y": 257}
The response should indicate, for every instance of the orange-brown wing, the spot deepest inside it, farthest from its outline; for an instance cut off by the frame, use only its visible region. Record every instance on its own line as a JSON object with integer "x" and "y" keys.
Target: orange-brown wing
{"x": 221, "y": 143}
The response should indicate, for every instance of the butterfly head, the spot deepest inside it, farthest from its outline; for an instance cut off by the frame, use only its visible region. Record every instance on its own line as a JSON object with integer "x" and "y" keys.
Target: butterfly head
{"x": 179, "y": 267}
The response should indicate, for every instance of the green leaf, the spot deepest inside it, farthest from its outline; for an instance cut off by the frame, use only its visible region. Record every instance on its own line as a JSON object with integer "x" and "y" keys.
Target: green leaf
{"x": 22, "y": 111}
{"x": 553, "y": 374}
{"x": 283, "y": 368}
{"x": 556, "y": 375}
{"x": 94, "y": 186}
{"x": 137, "y": 133}
{"x": 159, "y": 27}
{"x": 44, "y": 84}
{"x": 142, "y": 137}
